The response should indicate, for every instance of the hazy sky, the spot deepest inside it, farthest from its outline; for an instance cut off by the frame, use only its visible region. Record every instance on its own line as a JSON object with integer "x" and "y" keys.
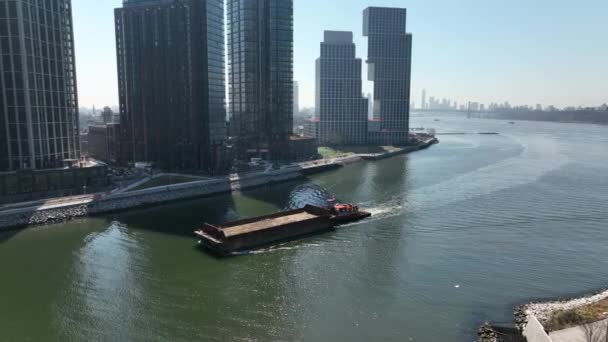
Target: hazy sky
{"x": 522, "y": 51}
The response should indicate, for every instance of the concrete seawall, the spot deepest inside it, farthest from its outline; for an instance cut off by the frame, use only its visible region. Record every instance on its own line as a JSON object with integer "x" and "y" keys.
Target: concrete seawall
{"x": 405, "y": 150}
{"x": 155, "y": 196}
{"x": 148, "y": 197}
{"x": 38, "y": 217}
{"x": 139, "y": 199}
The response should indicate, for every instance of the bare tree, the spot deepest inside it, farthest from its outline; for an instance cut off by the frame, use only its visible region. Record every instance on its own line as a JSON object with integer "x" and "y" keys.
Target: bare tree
{"x": 595, "y": 332}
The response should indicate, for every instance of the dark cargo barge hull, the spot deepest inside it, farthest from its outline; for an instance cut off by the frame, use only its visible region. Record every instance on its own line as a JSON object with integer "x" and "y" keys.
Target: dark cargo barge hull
{"x": 261, "y": 231}
{"x": 225, "y": 251}
{"x": 248, "y": 234}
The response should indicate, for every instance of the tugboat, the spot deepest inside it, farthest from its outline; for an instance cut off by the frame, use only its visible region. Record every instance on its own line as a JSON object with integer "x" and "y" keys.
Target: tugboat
{"x": 342, "y": 213}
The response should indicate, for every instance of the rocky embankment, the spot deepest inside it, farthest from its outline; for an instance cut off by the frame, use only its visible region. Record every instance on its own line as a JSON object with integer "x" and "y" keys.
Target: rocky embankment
{"x": 487, "y": 334}
{"x": 544, "y": 311}
{"x": 520, "y": 317}
{"x": 39, "y": 217}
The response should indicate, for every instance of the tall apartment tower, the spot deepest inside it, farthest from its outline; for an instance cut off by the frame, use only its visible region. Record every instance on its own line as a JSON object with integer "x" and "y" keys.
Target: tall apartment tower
{"x": 390, "y": 60}
{"x": 260, "y": 76}
{"x": 38, "y": 96}
{"x": 171, "y": 83}
{"x": 296, "y": 98}
{"x": 341, "y": 107}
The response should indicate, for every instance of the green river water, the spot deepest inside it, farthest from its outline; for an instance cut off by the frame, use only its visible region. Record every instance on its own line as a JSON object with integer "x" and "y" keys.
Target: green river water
{"x": 461, "y": 233}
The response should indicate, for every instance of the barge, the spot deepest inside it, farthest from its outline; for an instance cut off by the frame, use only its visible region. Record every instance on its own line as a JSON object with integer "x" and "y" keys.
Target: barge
{"x": 247, "y": 234}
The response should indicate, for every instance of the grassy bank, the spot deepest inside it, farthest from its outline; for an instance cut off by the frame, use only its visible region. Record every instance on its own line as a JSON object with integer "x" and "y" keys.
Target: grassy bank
{"x": 583, "y": 315}
{"x": 330, "y": 153}
{"x": 344, "y": 151}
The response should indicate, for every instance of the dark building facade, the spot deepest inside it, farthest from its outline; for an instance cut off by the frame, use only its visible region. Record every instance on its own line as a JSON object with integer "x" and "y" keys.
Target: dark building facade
{"x": 27, "y": 185}
{"x": 103, "y": 142}
{"x": 296, "y": 98}
{"x": 389, "y": 67}
{"x": 172, "y": 83}
{"x": 341, "y": 107}
{"x": 38, "y": 97}
{"x": 107, "y": 115}
{"x": 260, "y": 76}
{"x": 302, "y": 148}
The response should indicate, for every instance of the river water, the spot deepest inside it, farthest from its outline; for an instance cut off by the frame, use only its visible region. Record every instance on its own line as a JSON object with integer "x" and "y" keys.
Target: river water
{"x": 461, "y": 233}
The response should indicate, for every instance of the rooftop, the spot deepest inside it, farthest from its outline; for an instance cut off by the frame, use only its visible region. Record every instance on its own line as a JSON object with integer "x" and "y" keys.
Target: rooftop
{"x": 338, "y": 37}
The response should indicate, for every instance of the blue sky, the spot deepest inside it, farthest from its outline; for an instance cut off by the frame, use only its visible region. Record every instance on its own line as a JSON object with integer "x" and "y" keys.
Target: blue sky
{"x": 522, "y": 51}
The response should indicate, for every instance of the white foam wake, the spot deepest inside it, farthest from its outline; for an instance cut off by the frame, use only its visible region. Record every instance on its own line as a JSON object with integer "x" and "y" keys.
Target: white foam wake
{"x": 540, "y": 156}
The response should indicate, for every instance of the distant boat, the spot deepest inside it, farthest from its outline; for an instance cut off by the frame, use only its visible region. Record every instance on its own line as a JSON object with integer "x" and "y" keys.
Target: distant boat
{"x": 511, "y": 122}
{"x": 437, "y": 120}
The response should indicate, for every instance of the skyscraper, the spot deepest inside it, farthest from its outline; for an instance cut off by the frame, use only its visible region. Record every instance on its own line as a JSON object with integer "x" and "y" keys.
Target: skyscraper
{"x": 171, "y": 82}
{"x": 38, "y": 96}
{"x": 370, "y": 104}
{"x": 341, "y": 107}
{"x": 389, "y": 59}
{"x": 296, "y": 98}
{"x": 260, "y": 76}
{"x": 423, "y": 103}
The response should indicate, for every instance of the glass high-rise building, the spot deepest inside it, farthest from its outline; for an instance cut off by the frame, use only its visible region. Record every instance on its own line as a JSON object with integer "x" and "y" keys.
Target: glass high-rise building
{"x": 389, "y": 67}
{"x": 172, "y": 83}
{"x": 260, "y": 76}
{"x": 296, "y": 98}
{"x": 341, "y": 107}
{"x": 38, "y": 96}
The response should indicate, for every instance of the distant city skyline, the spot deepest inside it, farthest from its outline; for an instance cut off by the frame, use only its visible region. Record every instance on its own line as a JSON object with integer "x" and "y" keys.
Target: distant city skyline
{"x": 430, "y": 101}
{"x": 465, "y": 51}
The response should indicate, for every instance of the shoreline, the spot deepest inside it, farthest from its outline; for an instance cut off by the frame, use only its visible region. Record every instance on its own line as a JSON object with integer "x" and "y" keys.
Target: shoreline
{"x": 530, "y": 319}
{"x": 543, "y": 310}
{"x": 24, "y": 217}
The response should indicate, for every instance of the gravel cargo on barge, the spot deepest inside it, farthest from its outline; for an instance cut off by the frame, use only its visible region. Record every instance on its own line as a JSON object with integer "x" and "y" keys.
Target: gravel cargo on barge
{"x": 260, "y": 231}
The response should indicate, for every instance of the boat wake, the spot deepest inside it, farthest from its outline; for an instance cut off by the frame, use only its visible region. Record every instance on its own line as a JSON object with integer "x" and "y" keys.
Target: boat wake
{"x": 287, "y": 246}
{"x": 541, "y": 155}
{"x": 385, "y": 211}
{"x": 379, "y": 212}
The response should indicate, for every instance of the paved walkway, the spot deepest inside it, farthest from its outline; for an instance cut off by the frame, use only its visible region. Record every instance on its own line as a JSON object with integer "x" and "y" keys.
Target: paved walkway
{"x": 581, "y": 334}
{"x": 45, "y": 204}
